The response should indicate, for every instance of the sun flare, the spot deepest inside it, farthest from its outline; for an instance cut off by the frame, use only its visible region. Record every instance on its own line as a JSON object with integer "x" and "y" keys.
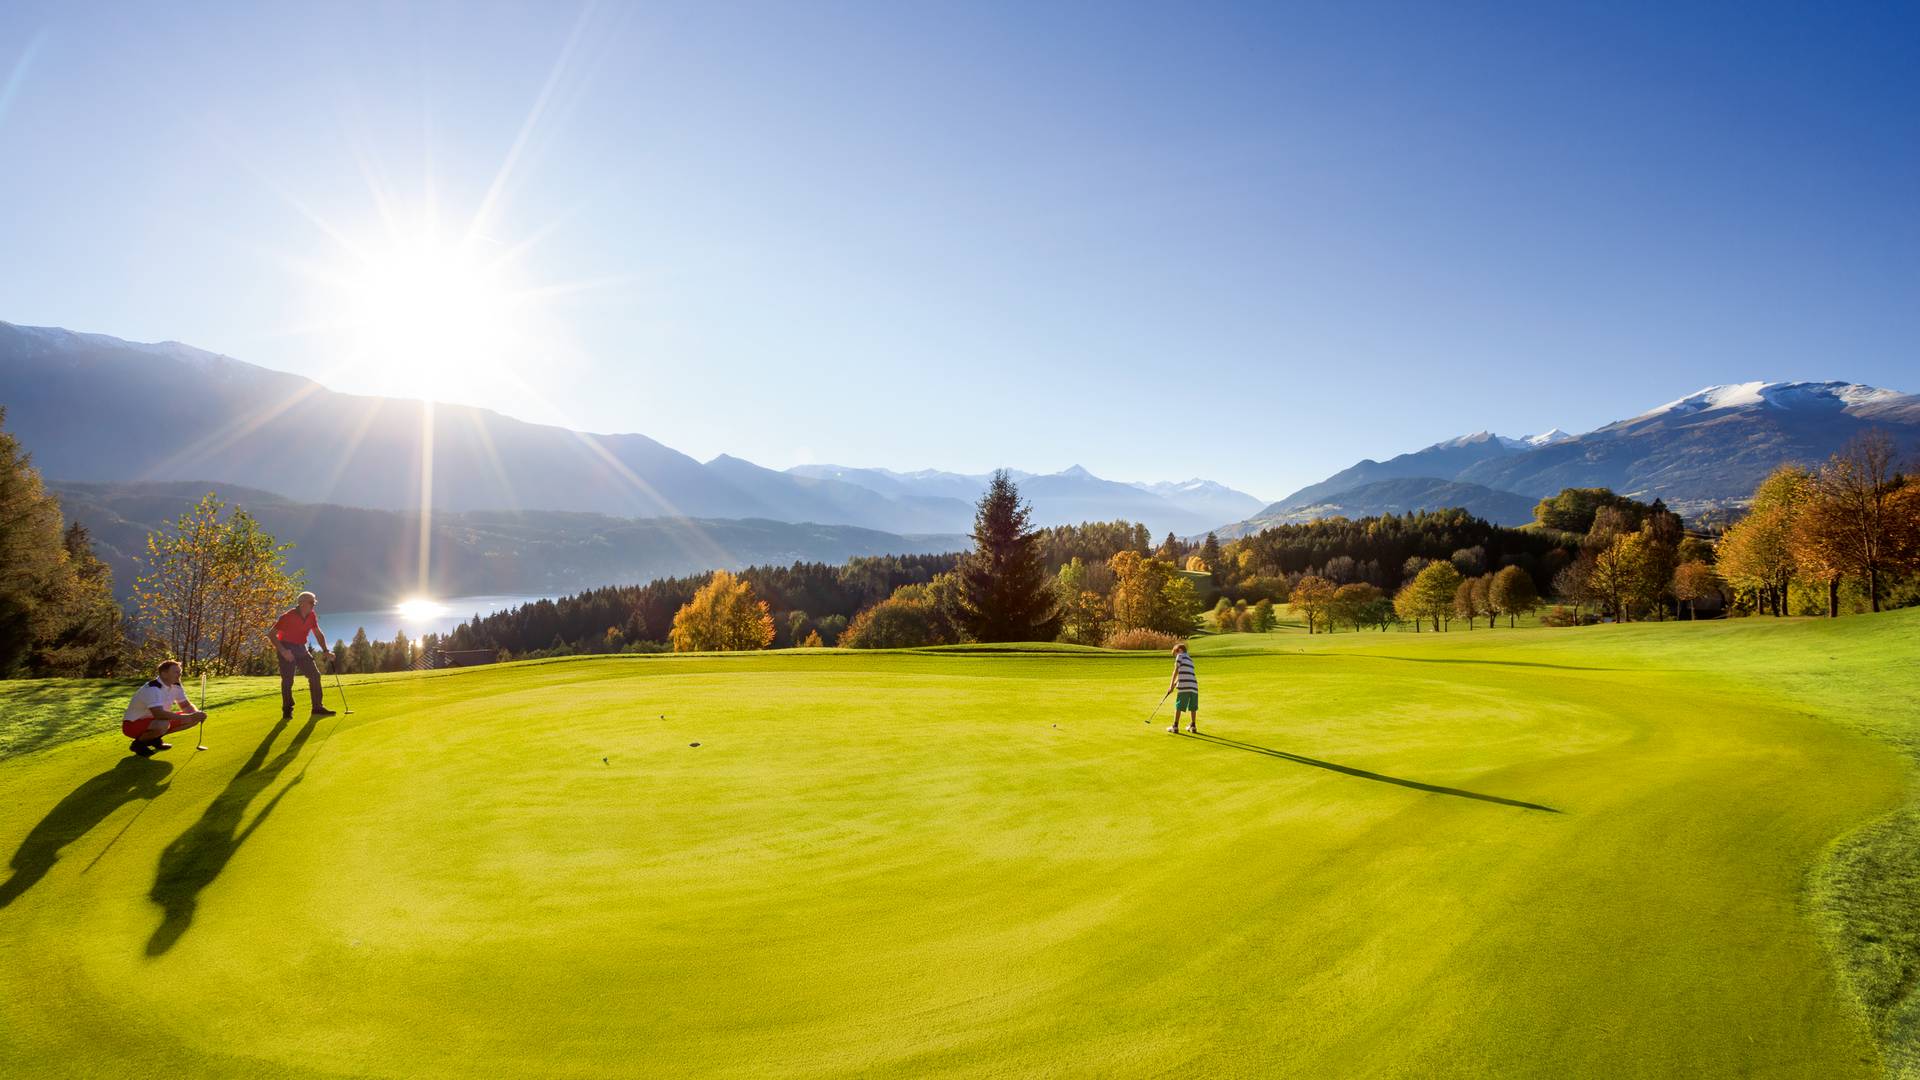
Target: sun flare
{"x": 423, "y": 313}
{"x": 419, "y": 609}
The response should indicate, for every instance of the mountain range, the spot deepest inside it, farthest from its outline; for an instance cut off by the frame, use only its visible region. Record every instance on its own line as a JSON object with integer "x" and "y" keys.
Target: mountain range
{"x": 361, "y": 559}
{"x": 96, "y": 409}
{"x": 1070, "y": 496}
{"x": 1705, "y": 450}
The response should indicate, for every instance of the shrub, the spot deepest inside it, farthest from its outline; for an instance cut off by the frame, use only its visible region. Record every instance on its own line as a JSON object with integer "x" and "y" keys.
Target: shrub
{"x": 1142, "y": 640}
{"x": 1562, "y": 615}
{"x": 898, "y": 622}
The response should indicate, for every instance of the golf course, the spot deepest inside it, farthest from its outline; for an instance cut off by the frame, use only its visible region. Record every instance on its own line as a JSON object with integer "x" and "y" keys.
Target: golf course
{"x": 1649, "y": 850}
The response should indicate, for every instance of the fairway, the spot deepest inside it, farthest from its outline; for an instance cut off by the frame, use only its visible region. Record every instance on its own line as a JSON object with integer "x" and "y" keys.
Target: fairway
{"x": 1531, "y": 852}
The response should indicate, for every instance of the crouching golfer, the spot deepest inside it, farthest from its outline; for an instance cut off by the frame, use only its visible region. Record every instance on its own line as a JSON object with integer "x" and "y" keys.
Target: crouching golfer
{"x": 289, "y": 636}
{"x": 157, "y": 710}
{"x": 1186, "y": 690}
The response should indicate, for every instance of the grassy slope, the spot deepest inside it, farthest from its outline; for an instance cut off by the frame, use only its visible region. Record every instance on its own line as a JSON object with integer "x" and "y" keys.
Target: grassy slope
{"x": 899, "y": 865}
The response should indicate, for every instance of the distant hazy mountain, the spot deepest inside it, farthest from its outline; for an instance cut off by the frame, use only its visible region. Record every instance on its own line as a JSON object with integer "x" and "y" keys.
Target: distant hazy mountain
{"x": 1399, "y": 496}
{"x": 1207, "y": 498}
{"x": 930, "y": 483}
{"x": 1708, "y": 448}
{"x": 361, "y": 559}
{"x": 96, "y": 409}
{"x": 1067, "y": 497}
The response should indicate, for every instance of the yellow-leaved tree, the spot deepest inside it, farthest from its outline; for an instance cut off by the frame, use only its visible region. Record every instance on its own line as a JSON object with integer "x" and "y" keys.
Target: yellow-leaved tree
{"x": 723, "y": 616}
{"x": 1311, "y": 599}
{"x": 213, "y": 585}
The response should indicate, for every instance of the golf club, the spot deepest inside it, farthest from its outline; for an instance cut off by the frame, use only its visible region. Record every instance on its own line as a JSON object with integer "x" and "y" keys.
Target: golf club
{"x": 203, "y": 708}
{"x": 348, "y": 709}
{"x": 1156, "y": 708}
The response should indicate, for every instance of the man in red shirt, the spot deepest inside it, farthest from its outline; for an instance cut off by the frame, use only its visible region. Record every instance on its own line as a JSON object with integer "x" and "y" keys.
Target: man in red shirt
{"x": 290, "y": 645}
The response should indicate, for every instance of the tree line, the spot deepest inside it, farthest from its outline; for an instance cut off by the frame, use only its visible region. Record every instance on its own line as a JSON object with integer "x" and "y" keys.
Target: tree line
{"x": 1385, "y": 552}
{"x": 1845, "y": 535}
{"x": 57, "y": 612}
{"x": 1841, "y": 536}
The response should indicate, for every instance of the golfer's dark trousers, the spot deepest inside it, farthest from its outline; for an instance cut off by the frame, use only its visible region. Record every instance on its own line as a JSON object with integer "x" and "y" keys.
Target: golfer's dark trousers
{"x": 302, "y": 663}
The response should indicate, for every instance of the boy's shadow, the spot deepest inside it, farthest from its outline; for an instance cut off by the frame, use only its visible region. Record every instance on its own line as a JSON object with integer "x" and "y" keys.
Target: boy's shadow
{"x": 197, "y": 856}
{"x": 130, "y": 779}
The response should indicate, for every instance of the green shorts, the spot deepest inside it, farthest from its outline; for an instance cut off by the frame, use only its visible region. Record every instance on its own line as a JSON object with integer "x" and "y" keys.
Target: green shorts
{"x": 1186, "y": 701}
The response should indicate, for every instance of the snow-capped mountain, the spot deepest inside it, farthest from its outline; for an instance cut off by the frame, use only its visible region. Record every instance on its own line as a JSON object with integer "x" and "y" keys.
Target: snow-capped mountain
{"x": 1545, "y": 438}
{"x": 1774, "y": 395}
{"x": 1531, "y": 442}
{"x": 1707, "y": 448}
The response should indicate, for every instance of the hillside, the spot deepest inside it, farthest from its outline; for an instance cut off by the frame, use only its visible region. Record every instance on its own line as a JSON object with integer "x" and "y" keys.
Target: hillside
{"x": 1707, "y": 449}
{"x": 1445, "y": 460}
{"x": 1711, "y": 447}
{"x": 368, "y": 558}
{"x": 271, "y": 431}
{"x": 1399, "y": 496}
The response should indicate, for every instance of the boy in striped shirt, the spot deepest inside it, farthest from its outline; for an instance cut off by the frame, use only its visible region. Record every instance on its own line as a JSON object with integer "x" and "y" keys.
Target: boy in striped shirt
{"x": 1186, "y": 690}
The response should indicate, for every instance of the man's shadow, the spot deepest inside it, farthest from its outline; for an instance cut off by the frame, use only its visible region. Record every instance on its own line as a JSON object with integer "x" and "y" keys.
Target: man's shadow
{"x": 197, "y": 856}
{"x": 131, "y": 779}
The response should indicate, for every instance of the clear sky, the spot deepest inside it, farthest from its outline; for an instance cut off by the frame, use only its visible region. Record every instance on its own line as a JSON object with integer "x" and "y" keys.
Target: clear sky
{"x": 1251, "y": 243}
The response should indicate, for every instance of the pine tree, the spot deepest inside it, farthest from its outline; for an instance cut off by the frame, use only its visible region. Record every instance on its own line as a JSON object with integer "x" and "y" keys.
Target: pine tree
{"x": 1005, "y": 590}
{"x": 34, "y": 575}
{"x": 360, "y": 653}
{"x": 92, "y": 642}
{"x": 400, "y": 652}
{"x": 1171, "y": 550}
{"x": 1210, "y": 554}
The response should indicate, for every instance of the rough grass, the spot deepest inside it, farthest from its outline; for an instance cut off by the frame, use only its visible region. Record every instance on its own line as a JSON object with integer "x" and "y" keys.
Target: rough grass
{"x": 1868, "y": 897}
{"x": 1612, "y": 851}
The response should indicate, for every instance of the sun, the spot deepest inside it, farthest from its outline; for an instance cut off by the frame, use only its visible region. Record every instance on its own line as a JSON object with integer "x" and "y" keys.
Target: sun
{"x": 419, "y": 609}
{"x": 425, "y": 316}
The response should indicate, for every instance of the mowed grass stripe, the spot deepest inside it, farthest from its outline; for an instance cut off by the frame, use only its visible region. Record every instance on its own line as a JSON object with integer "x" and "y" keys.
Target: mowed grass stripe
{"x": 898, "y": 865}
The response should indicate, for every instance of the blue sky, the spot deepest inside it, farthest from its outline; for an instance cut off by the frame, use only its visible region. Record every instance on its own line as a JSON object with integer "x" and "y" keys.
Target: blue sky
{"x": 1252, "y": 243}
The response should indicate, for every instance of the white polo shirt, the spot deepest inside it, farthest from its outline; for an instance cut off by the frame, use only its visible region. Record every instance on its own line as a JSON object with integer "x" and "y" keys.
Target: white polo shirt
{"x": 154, "y": 693}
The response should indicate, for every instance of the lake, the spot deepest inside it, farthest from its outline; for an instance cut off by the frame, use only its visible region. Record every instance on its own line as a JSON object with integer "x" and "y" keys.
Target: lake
{"x": 415, "y": 617}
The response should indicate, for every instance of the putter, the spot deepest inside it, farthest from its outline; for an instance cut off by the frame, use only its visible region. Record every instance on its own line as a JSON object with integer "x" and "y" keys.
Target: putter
{"x": 1156, "y": 708}
{"x": 344, "y": 707}
{"x": 203, "y": 708}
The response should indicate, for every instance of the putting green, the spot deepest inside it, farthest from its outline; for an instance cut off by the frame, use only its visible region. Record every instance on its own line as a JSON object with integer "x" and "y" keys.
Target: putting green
{"x": 1532, "y": 852}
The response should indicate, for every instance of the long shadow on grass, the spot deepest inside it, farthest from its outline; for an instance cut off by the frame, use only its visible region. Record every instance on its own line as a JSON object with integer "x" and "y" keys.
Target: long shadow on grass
{"x": 130, "y": 779}
{"x": 1363, "y": 774}
{"x": 197, "y": 856}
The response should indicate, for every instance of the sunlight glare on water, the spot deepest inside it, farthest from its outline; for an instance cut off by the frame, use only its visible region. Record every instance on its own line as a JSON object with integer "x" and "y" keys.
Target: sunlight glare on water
{"x": 419, "y": 609}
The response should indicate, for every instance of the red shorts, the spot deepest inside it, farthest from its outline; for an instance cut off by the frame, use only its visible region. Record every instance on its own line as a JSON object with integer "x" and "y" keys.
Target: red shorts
{"x": 137, "y": 729}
